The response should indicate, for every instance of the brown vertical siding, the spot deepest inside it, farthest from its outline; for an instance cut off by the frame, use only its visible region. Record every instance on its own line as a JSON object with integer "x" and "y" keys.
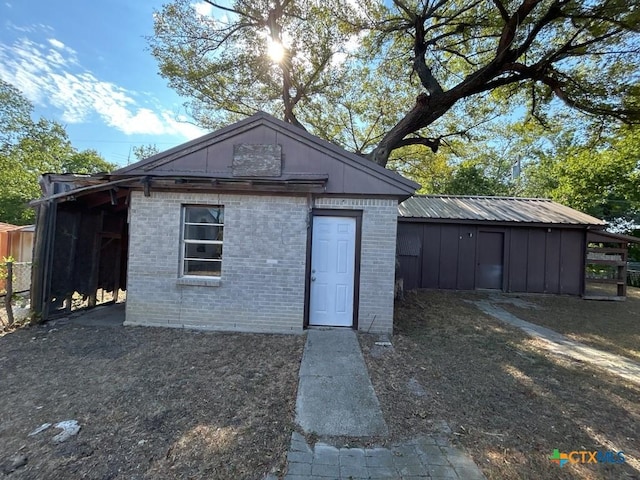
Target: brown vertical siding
{"x": 572, "y": 246}
{"x": 466, "y": 257}
{"x": 552, "y": 262}
{"x": 519, "y": 259}
{"x": 536, "y": 254}
{"x": 448, "y": 256}
{"x": 491, "y": 271}
{"x": 431, "y": 256}
{"x": 534, "y": 259}
{"x": 410, "y": 257}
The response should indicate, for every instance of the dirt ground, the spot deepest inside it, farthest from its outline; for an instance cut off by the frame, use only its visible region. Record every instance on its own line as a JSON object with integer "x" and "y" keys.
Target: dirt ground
{"x": 152, "y": 403}
{"x": 508, "y": 402}
{"x": 610, "y": 326}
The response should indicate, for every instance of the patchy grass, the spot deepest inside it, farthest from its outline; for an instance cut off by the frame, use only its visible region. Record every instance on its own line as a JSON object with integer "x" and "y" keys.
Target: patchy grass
{"x": 610, "y": 326}
{"x": 152, "y": 403}
{"x": 508, "y": 402}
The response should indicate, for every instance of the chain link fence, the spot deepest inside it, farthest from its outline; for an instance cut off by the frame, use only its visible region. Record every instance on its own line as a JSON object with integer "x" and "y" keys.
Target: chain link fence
{"x": 21, "y": 277}
{"x": 15, "y": 283}
{"x": 633, "y": 274}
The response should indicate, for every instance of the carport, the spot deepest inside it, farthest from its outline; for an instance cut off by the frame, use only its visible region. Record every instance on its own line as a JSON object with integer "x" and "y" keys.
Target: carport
{"x": 80, "y": 246}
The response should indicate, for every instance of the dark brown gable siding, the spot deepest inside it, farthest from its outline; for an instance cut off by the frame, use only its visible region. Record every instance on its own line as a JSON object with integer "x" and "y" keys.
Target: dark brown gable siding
{"x": 302, "y": 154}
{"x": 535, "y": 259}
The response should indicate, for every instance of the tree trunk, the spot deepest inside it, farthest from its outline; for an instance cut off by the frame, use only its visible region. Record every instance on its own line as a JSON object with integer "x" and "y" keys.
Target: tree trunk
{"x": 426, "y": 111}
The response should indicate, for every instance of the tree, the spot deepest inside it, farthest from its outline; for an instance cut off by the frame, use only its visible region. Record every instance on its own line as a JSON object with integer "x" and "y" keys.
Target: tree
{"x": 29, "y": 148}
{"x": 273, "y": 56}
{"x": 600, "y": 176}
{"x": 462, "y": 61}
{"x": 15, "y": 114}
{"x": 471, "y": 178}
{"x": 145, "y": 151}
{"x": 87, "y": 162}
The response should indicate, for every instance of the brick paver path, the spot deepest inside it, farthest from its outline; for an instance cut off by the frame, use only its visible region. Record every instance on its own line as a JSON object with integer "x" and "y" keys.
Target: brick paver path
{"x": 422, "y": 458}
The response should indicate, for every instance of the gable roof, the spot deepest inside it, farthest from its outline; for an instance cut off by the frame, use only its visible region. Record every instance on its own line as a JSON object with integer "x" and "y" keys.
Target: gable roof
{"x": 304, "y": 157}
{"x": 493, "y": 209}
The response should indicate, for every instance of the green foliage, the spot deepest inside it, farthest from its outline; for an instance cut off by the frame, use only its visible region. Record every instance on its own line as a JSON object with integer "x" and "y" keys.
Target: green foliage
{"x": 15, "y": 114}
{"x": 472, "y": 178}
{"x": 352, "y": 71}
{"x": 30, "y": 148}
{"x": 3, "y": 269}
{"x": 432, "y": 171}
{"x": 222, "y": 64}
{"x": 145, "y": 151}
{"x": 86, "y": 162}
{"x": 600, "y": 177}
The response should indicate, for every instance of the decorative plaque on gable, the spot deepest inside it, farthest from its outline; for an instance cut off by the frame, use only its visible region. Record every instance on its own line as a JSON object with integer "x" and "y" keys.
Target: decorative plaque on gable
{"x": 256, "y": 160}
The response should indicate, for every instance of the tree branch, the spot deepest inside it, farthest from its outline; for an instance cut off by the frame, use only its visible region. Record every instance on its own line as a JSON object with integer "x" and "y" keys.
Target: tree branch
{"x": 427, "y": 79}
{"x": 624, "y": 115}
{"x": 553, "y": 13}
{"x": 511, "y": 27}
{"x": 503, "y": 11}
{"x": 432, "y": 143}
{"x": 232, "y": 10}
{"x": 407, "y": 11}
{"x": 429, "y": 11}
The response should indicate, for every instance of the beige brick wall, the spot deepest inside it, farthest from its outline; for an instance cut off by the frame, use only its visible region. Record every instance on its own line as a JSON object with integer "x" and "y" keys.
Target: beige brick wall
{"x": 263, "y": 267}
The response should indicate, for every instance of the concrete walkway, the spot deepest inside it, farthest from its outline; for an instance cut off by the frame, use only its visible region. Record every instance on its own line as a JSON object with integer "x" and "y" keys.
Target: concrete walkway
{"x": 560, "y": 345}
{"x": 335, "y": 395}
{"x": 336, "y": 399}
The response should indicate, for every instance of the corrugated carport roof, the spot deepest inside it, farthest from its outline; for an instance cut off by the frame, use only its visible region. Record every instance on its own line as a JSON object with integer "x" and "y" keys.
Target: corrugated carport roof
{"x": 493, "y": 209}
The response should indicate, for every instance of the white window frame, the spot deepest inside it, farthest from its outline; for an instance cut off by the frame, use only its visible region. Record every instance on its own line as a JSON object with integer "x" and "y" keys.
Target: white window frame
{"x": 184, "y": 242}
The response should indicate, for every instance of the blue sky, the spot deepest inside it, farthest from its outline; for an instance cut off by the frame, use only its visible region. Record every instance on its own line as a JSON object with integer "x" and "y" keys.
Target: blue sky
{"x": 86, "y": 65}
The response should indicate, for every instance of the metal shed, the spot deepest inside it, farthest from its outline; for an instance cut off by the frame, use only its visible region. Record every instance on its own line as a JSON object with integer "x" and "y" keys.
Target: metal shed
{"x": 502, "y": 243}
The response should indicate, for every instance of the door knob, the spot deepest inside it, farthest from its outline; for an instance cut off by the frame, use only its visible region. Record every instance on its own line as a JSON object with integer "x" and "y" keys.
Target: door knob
{"x": 313, "y": 279}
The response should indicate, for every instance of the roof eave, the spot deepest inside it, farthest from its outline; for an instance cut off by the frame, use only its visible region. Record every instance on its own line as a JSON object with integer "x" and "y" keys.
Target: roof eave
{"x": 506, "y": 223}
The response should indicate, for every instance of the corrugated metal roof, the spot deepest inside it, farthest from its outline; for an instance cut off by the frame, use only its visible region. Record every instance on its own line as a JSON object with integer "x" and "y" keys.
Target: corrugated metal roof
{"x": 493, "y": 209}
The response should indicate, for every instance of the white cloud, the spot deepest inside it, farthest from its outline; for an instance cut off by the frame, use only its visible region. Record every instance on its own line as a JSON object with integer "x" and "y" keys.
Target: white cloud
{"x": 53, "y": 77}
{"x": 180, "y": 124}
{"x": 203, "y": 8}
{"x": 56, "y": 43}
{"x": 33, "y": 28}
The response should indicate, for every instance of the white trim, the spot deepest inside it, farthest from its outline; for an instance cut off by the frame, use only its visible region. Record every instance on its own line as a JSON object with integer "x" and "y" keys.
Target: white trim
{"x": 190, "y": 279}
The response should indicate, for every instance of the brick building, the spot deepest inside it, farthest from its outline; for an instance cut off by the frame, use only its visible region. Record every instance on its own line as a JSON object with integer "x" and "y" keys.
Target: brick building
{"x": 257, "y": 227}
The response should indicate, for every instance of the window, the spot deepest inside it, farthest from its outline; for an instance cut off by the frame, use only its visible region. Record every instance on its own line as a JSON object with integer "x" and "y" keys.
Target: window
{"x": 202, "y": 240}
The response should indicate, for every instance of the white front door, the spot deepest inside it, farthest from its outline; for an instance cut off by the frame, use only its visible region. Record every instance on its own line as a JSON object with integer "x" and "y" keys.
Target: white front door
{"x": 333, "y": 249}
